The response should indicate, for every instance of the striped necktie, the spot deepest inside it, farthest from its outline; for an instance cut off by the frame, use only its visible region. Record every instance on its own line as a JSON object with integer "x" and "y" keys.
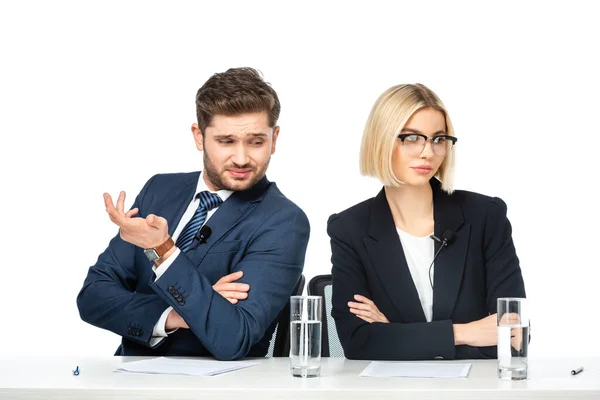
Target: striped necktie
{"x": 208, "y": 201}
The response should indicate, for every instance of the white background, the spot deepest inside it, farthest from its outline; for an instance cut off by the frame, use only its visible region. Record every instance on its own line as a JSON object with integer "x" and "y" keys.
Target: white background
{"x": 99, "y": 96}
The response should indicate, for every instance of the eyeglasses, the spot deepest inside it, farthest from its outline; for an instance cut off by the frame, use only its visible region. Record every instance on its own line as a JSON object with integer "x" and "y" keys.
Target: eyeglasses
{"x": 413, "y": 144}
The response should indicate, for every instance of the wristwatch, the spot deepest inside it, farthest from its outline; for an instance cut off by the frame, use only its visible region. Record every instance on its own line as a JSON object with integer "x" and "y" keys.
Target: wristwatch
{"x": 155, "y": 253}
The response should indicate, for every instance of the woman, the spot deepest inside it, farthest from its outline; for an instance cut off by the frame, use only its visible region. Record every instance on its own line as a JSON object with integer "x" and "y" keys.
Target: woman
{"x": 391, "y": 299}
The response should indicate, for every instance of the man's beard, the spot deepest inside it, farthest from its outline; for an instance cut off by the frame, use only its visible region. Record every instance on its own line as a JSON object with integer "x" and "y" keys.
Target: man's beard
{"x": 214, "y": 177}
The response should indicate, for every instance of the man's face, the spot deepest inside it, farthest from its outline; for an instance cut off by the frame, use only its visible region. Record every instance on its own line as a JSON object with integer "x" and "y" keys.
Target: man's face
{"x": 237, "y": 150}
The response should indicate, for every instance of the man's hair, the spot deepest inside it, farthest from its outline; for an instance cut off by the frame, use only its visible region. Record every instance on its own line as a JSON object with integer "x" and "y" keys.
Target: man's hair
{"x": 236, "y": 91}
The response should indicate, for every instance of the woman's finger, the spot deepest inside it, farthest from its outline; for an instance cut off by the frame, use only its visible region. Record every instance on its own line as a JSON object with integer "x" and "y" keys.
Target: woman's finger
{"x": 361, "y": 306}
{"x": 364, "y": 313}
{"x": 363, "y": 299}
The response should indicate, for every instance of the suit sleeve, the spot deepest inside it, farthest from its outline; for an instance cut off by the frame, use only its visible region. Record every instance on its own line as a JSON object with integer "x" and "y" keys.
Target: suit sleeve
{"x": 377, "y": 341}
{"x": 272, "y": 266}
{"x": 108, "y": 298}
{"x": 503, "y": 272}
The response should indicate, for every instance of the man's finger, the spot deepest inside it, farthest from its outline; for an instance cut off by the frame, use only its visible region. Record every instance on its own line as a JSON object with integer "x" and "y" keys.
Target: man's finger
{"x": 233, "y": 301}
{"x": 234, "y": 287}
{"x": 132, "y": 212}
{"x": 110, "y": 209}
{"x": 156, "y": 221}
{"x": 231, "y": 277}
{"x": 150, "y": 219}
{"x": 160, "y": 223}
{"x": 121, "y": 203}
{"x": 369, "y": 320}
{"x": 234, "y": 295}
{"x": 231, "y": 287}
{"x": 115, "y": 216}
{"x": 108, "y": 203}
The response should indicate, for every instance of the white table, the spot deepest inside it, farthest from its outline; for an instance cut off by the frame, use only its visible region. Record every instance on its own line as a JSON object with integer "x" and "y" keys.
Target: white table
{"x": 30, "y": 377}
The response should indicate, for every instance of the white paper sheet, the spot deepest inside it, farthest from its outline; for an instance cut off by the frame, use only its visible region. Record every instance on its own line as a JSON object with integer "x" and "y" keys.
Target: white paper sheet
{"x": 183, "y": 366}
{"x": 416, "y": 370}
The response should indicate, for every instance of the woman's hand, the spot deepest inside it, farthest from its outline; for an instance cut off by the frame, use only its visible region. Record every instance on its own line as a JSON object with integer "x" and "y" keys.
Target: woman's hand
{"x": 484, "y": 332}
{"x": 366, "y": 310}
{"x": 480, "y": 333}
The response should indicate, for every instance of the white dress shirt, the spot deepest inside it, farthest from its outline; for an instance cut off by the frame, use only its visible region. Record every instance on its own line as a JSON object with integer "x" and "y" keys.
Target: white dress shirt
{"x": 419, "y": 255}
{"x": 159, "y": 332}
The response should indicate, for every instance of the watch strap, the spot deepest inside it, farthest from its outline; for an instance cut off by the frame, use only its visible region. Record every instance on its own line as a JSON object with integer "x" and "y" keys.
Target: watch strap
{"x": 163, "y": 248}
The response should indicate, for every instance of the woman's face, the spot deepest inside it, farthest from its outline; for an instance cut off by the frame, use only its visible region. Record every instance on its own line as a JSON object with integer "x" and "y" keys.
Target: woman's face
{"x": 411, "y": 165}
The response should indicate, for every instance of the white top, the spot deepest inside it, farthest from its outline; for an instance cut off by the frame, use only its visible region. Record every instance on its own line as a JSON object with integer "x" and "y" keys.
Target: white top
{"x": 159, "y": 332}
{"x": 419, "y": 255}
{"x": 50, "y": 377}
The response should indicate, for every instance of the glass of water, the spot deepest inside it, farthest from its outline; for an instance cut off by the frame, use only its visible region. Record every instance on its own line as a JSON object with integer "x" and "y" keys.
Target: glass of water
{"x": 305, "y": 335}
{"x": 513, "y": 338}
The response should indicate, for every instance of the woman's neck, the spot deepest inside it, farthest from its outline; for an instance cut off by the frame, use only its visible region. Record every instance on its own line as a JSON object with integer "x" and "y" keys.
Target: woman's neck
{"x": 412, "y": 208}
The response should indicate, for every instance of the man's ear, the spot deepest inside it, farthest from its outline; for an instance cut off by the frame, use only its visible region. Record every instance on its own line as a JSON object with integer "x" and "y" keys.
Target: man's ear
{"x": 198, "y": 137}
{"x": 275, "y": 136}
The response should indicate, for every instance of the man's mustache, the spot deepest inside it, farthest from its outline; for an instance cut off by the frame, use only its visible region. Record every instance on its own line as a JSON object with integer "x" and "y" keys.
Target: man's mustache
{"x": 245, "y": 166}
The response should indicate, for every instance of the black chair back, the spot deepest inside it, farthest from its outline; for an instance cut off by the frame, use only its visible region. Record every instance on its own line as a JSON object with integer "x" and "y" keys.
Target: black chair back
{"x": 321, "y": 285}
{"x": 279, "y": 346}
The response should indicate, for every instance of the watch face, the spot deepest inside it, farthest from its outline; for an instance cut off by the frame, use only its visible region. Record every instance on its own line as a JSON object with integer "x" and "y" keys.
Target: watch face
{"x": 151, "y": 254}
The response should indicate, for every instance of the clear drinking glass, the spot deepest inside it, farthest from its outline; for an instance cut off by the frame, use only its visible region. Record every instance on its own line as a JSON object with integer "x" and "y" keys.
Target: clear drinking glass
{"x": 513, "y": 338}
{"x": 305, "y": 335}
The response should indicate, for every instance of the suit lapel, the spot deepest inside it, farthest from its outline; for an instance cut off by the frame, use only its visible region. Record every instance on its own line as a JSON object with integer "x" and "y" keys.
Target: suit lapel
{"x": 228, "y": 215}
{"x": 450, "y": 263}
{"x": 385, "y": 251}
{"x": 176, "y": 202}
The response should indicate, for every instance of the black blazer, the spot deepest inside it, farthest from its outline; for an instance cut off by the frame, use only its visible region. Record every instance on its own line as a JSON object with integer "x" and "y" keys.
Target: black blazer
{"x": 478, "y": 266}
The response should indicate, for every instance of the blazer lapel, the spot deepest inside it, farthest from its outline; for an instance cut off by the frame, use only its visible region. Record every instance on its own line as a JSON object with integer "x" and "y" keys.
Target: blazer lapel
{"x": 228, "y": 215}
{"x": 450, "y": 264}
{"x": 388, "y": 259}
{"x": 174, "y": 205}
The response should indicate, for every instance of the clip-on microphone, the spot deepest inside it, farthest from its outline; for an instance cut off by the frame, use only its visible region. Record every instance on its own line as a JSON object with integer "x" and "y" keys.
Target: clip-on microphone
{"x": 447, "y": 237}
{"x": 201, "y": 236}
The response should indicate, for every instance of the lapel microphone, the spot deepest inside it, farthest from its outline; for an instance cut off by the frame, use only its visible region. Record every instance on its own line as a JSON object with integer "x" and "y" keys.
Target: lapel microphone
{"x": 201, "y": 236}
{"x": 447, "y": 237}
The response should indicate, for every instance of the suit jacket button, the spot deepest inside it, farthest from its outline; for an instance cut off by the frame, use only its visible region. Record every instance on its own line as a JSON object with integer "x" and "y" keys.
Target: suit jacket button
{"x": 438, "y": 358}
{"x": 171, "y": 289}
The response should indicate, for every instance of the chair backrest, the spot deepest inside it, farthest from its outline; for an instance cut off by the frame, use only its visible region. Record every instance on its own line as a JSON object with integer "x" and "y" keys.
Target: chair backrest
{"x": 321, "y": 285}
{"x": 279, "y": 346}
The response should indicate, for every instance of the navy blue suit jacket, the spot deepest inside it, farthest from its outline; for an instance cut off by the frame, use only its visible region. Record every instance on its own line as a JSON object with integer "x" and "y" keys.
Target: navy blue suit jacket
{"x": 479, "y": 265}
{"x": 257, "y": 231}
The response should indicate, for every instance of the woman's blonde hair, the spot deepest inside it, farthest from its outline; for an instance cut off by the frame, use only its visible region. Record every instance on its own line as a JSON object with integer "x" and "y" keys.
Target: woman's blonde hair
{"x": 388, "y": 116}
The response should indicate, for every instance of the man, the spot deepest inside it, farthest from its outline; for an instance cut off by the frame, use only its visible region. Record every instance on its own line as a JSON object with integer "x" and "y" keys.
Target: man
{"x": 205, "y": 261}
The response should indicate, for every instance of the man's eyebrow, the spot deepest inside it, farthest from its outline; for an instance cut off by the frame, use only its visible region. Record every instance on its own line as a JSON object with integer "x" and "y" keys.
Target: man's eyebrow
{"x": 257, "y": 134}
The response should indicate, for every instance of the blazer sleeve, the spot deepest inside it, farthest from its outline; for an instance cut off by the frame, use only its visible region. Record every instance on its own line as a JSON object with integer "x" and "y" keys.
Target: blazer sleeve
{"x": 108, "y": 298}
{"x": 377, "y": 341}
{"x": 503, "y": 271}
{"x": 272, "y": 265}
{"x": 504, "y": 277}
